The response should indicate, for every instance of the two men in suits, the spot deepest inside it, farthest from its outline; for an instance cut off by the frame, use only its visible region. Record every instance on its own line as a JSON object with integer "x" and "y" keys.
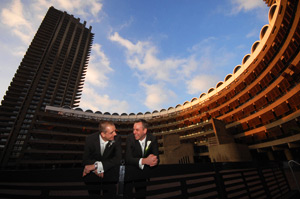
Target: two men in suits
{"x": 102, "y": 153}
{"x": 141, "y": 154}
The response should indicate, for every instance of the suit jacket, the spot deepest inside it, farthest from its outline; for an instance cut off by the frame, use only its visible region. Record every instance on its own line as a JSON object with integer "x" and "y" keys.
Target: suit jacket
{"x": 134, "y": 151}
{"x": 111, "y": 157}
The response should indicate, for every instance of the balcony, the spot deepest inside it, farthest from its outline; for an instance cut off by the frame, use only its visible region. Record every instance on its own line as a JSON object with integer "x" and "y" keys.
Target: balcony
{"x": 209, "y": 180}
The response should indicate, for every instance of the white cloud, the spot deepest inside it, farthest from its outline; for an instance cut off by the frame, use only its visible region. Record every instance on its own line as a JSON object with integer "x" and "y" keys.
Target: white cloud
{"x": 84, "y": 8}
{"x": 201, "y": 83}
{"x": 143, "y": 57}
{"x": 205, "y": 57}
{"x": 13, "y": 17}
{"x": 188, "y": 68}
{"x": 157, "y": 96}
{"x": 126, "y": 43}
{"x": 23, "y": 19}
{"x": 81, "y": 7}
{"x": 127, "y": 23}
{"x": 92, "y": 100}
{"x": 246, "y": 5}
{"x": 99, "y": 67}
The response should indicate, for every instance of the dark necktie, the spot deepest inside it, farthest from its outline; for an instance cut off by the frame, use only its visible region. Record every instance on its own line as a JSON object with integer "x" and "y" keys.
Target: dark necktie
{"x": 106, "y": 146}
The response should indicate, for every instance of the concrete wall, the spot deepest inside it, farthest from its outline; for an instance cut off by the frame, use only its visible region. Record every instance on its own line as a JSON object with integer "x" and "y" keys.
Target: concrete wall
{"x": 231, "y": 152}
{"x": 175, "y": 152}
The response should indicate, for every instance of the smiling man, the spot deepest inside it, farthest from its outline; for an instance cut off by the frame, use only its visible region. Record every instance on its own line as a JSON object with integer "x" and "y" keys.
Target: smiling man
{"x": 102, "y": 153}
{"x": 141, "y": 153}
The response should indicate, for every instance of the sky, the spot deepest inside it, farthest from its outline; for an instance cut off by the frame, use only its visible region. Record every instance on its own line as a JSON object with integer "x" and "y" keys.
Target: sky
{"x": 147, "y": 55}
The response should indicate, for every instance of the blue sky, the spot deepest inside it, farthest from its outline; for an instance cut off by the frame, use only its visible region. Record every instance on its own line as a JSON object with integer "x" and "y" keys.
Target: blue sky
{"x": 147, "y": 54}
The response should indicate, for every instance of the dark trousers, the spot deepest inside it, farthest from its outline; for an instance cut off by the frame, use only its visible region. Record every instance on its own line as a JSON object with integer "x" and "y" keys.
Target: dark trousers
{"x": 140, "y": 189}
{"x": 102, "y": 189}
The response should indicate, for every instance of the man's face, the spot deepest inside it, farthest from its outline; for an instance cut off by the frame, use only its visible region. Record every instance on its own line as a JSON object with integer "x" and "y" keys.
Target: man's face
{"x": 138, "y": 131}
{"x": 109, "y": 134}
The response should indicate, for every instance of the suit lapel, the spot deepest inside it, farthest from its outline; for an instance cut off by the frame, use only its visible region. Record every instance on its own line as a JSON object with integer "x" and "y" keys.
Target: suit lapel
{"x": 138, "y": 148}
{"x": 147, "y": 139}
{"x": 107, "y": 149}
{"x": 97, "y": 145}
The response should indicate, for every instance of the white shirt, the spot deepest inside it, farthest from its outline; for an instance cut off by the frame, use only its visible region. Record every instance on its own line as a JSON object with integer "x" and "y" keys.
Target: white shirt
{"x": 103, "y": 143}
{"x": 142, "y": 143}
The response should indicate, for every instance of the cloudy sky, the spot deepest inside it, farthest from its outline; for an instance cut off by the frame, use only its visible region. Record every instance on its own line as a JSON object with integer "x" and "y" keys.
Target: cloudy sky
{"x": 147, "y": 54}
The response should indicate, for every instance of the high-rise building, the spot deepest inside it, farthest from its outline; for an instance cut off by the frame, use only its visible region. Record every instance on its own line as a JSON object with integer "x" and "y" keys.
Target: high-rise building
{"x": 52, "y": 72}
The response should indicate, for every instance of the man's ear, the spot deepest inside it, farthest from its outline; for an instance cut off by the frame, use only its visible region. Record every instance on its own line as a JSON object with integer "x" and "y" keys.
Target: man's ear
{"x": 102, "y": 134}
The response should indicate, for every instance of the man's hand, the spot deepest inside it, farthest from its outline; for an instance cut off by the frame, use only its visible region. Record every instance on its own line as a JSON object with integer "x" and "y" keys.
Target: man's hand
{"x": 87, "y": 169}
{"x": 100, "y": 175}
{"x": 151, "y": 160}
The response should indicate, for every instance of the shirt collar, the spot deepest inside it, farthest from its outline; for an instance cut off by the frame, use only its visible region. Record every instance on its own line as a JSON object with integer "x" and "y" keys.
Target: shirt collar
{"x": 142, "y": 142}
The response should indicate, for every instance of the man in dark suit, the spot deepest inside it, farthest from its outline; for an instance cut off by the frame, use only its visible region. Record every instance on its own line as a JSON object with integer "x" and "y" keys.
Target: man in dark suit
{"x": 141, "y": 154}
{"x": 102, "y": 153}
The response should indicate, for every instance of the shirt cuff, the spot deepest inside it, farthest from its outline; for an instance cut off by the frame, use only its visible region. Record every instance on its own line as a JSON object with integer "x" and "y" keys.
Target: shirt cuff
{"x": 100, "y": 168}
{"x": 140, "y": 164}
